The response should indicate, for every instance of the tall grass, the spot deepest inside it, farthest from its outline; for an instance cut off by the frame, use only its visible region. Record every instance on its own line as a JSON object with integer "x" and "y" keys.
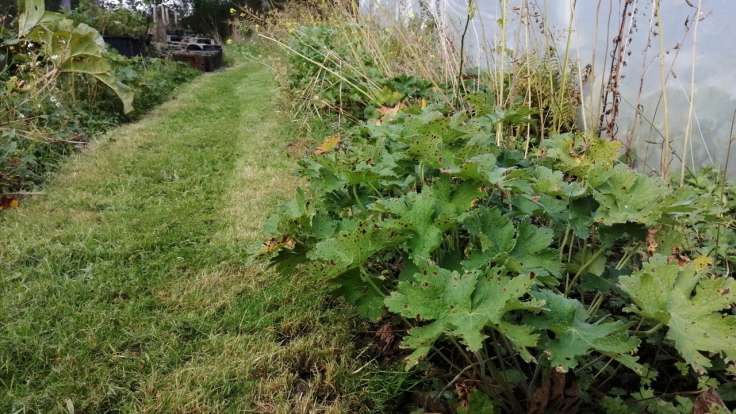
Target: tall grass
{"x": 528, "y": 57}
{"x": 427, "y": 46}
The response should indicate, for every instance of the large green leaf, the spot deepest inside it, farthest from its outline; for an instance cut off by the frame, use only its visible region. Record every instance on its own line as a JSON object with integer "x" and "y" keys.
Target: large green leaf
{"x": 416, "y": 212}
{"x": 574, "y": 337}
{"x": 532, "y": 252}
{"x": 427, "y": 215}
{"x": 33, "y": 11}
{"x": 124, "y": 92}
{"x": 483, "y": 167}
{"x": 578, "y": 155}
{"x": 524, "y": 249}
{"x": 353, "y": 246}
{"x": 689, "y": 303}
{"x": 416, "y": 220}
{"x": 462, "y": 305}
{"x": 361, "y": 291}
{"x": 551, "y": 182}
{"x": 626, "y": 196}
{"x": 495, "y": 235}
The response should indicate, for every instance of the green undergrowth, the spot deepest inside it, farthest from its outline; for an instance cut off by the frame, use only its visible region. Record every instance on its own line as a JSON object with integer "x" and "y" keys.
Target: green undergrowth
{"x": 127, "y": 286}
{"x": 60, "y": 87}
{"x": 41, "y": 131}
{"x": 537, "y": 275}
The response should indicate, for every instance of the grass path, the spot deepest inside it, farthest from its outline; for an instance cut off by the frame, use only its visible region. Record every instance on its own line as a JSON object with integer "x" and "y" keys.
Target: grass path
{"x": 127, "y": 287}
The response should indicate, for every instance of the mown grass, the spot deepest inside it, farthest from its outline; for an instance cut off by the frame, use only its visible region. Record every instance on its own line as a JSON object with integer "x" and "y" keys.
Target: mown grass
{"x": 127, "y": 287}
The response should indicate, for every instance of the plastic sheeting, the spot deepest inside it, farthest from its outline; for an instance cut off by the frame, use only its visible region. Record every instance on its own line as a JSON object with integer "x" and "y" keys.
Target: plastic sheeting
{"x": 595, "y": 24}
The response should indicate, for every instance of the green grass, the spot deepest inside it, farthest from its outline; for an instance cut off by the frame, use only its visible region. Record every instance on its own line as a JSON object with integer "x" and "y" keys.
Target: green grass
{"x": 127, "y": 287}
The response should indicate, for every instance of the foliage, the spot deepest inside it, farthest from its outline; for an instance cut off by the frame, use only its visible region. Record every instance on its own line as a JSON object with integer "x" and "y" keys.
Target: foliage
{"x": 152, "y": 79}
{"x": 46, "y": 129}
{"x": 49, "y": 111}
{"x": 213, "y": 17}
{"x": 336, "y": 68}
{"x": 689, "y": 304}
{"x": 65, "y": 47}
{"x": 85, "y": 56}
{"x": 319, "y": 70}
{"x": 557, "y": 262}
{"x": 120, "y": 22}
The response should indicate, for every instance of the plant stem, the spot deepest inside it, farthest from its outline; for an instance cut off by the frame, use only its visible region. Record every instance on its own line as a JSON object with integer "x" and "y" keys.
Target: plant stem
{"x": 666, "y": 153}
{"x": 565, "y": 63}
{"x": 582, "y": 269}
{"x": 501, "y": 75}
{"x": 650, "y": 331}
{"x": 468, "y": 17}
{"x": 691, "y": 107}
{"x": 724, "y": 177}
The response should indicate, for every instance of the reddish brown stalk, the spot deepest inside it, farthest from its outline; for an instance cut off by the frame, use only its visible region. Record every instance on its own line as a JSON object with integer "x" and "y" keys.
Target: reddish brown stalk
{"x": 611, "y": 108}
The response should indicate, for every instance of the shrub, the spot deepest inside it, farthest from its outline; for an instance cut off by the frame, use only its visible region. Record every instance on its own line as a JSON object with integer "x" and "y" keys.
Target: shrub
{"x": 121, "y": 22}
{"x": 152, "y": 79}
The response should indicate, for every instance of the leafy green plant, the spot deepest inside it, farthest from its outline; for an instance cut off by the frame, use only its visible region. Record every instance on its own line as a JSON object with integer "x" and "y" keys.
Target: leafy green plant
{"x": 67, "y": 48}
{"x": 77, "y": 49}
{"x": 152, "y": 79}
{"x": 512, "y": 270}
{"x": 121, "y": 22}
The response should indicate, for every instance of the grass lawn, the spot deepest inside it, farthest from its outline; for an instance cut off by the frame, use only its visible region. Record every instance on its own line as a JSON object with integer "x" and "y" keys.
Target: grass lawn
{"x": 127, "y": 287}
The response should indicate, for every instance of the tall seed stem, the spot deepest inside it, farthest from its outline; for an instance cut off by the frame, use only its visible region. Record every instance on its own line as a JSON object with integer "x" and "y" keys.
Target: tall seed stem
{"x": 691, "y": 106}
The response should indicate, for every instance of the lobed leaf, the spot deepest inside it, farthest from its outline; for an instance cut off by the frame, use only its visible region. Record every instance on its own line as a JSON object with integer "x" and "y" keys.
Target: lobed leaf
{"x": 574, "y": 337}
{"x": 689, "y": 304}
{"x": 462, "y": 305}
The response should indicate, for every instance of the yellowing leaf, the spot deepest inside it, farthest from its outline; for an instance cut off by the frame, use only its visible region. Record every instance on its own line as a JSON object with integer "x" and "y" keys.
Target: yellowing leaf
{"x": 389, "y": 112}
{"x": 275, "y": 245}
{"x": 702, "y": 262}
{"x": 328, "y": 145}
{"x": 577, "y": 156}
{"x": 9, "y": 202}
